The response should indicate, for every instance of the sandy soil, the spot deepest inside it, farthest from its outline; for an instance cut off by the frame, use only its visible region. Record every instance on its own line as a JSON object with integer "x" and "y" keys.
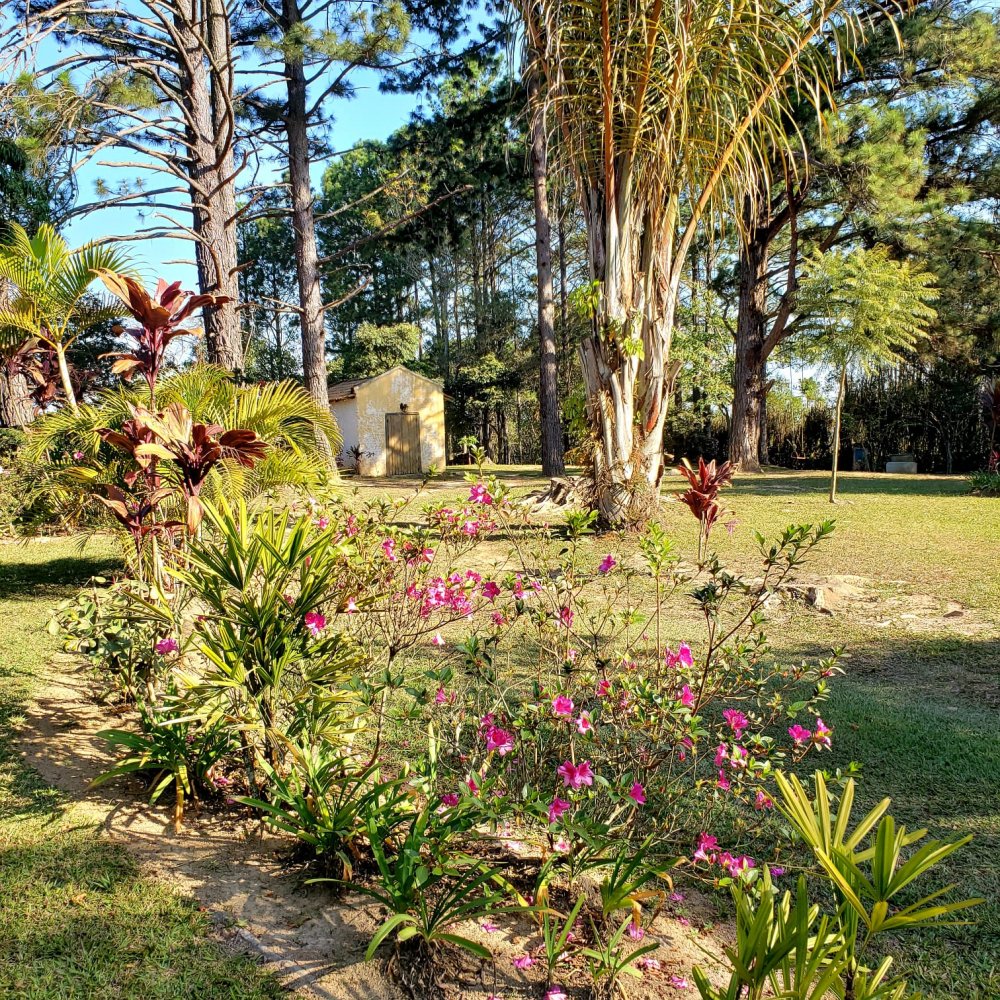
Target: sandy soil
{"x": 312, "y": 937}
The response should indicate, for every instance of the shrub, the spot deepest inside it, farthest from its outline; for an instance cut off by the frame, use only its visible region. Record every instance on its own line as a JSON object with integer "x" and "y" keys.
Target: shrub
{"x": 264, "y": 585}
{"x": 108, "y": 625}
{"x": 311, "y": 638}
{"x": 985, "y": 483}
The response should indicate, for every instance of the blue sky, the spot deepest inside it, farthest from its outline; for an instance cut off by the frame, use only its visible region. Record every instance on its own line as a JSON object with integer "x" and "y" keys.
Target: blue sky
{"x": 369, "y": 115}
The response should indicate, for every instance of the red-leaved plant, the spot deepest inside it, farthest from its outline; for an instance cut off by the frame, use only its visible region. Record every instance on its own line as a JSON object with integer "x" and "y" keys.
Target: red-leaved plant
{"x": 161, "y": 317}
{"x": 194, "y": 449}
{"x": 701, "y": 497}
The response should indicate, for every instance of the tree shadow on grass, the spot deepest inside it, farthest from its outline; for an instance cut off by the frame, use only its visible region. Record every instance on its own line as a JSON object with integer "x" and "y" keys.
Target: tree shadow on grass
{"x": 921, "y": 717}
{"x": 848, "y": 484}
{"x": 24, "y": 579}
{"x": 81, "y": 918}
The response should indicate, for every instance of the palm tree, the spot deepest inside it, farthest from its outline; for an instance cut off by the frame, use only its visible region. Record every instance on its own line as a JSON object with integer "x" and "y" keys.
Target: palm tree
{"x": 282, "y": 414}
{"x": 666, "y": 113}
{"x": 52, "y": 304}
{"x": 865, "y": 308}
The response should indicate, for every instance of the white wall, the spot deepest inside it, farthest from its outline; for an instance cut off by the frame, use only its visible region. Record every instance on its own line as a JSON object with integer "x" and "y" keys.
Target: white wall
{"x": 345, "y": 412}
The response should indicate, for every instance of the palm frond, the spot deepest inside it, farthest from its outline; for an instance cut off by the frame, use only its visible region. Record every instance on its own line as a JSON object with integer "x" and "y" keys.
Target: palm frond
{"x": 280, "y": 413}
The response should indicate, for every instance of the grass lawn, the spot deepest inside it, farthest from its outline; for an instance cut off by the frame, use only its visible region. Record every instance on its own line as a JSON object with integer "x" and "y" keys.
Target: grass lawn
{"x": 77, "y": 919}
{"x": 918, "y": 709}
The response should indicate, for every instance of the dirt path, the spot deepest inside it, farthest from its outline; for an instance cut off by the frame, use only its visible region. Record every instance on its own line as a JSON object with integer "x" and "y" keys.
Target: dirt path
{"x": 314, "y": 939}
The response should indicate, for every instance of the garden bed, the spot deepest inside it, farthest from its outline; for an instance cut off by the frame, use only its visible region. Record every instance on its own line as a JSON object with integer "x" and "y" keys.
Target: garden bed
{"x": 313, "y": 938}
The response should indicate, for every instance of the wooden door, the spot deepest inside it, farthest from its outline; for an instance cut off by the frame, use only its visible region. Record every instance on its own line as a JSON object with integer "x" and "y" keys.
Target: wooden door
{"x": 402, "y": 444}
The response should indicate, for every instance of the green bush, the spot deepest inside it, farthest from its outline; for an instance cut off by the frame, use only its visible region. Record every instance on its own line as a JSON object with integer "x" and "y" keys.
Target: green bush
{"x": 985, "y": 484}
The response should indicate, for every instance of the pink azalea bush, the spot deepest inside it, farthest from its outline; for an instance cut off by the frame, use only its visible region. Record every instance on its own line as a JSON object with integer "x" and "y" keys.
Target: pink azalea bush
{"x": 550, "y": 700}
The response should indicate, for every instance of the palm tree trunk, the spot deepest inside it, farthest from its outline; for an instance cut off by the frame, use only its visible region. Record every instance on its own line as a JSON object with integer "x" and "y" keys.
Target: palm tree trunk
{"x": 836, "y": 433}
{"x": 627, "y": 407}
{"x": 67, "y": 383}
{"x": 553, "y": 460}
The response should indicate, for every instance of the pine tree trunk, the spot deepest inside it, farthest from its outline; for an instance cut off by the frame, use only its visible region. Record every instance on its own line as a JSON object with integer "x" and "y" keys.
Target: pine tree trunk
{"x": 764, "y": 453}
{"x": 750, "y": 362}
{"x": 212, "y": 169}
{"x": 16, "y": 406}
{"x": 304, "y": 222}
{"x": 553, "y": 460}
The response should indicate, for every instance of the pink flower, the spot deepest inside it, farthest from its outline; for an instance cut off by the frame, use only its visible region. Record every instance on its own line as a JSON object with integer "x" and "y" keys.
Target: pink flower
{"x": 636, "y": 931}
{"x": 721, "y": 752}
{"x": 523, "y": 962}
{"x": 437, "y": 640}
{"x": 687, "y": 697}
{"x": 576, "y": 775}
{"x": 763, "y": 801}
{"x": 566, "y": 617}
{"x": 776, "y": 871}
{"x": 584, "y": 725}
{"x": 676, "y": 897}
{"x": 479, "y": 494}
{"x": 389, "y": 549}
{"x": 490, "y": 590}
{"x": 737, "y": 866}
{"x": 678, "y": 982}
{"x": 638, "y": 794}
{"x": 555, "y": 993}
{"x": 561, "y": 846}
{"x": 449, "y": 799}
{"x": 608, "y": 563}
{"x": 737, "y": 721}
{"x": 322, "y": 523}
{"x": 822, "y": 734}
{"x": 489, "y": 927}
{"x": 706, "y": 844}
{"x": 351, "y": 607}
{"x": 648, "y": 964}
{"x": 603, "y": 689}
{"x": 165, "y": 646}
{"x": 472, "y": 785}
{"x": 682, "y": 658}
{"x": 441, "y": 696}
{"x": 498, "y": 619}
{"x": 78, "y": 456}
{"x": 561, "y": 705}
{"x": 500, "y": 740}
{"x": 800, "y": 734}
{"x": 556, "y": 808}
{"x": 315, "y": 622}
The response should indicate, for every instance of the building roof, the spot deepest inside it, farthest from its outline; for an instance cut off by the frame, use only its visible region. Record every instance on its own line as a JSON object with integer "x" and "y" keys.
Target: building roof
{"x": 348, "y": 388}
{"x": 345, "y": 390}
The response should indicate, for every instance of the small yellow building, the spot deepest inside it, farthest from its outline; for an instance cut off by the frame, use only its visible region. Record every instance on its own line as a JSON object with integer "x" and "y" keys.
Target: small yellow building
{"x": 392, "y": 424}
